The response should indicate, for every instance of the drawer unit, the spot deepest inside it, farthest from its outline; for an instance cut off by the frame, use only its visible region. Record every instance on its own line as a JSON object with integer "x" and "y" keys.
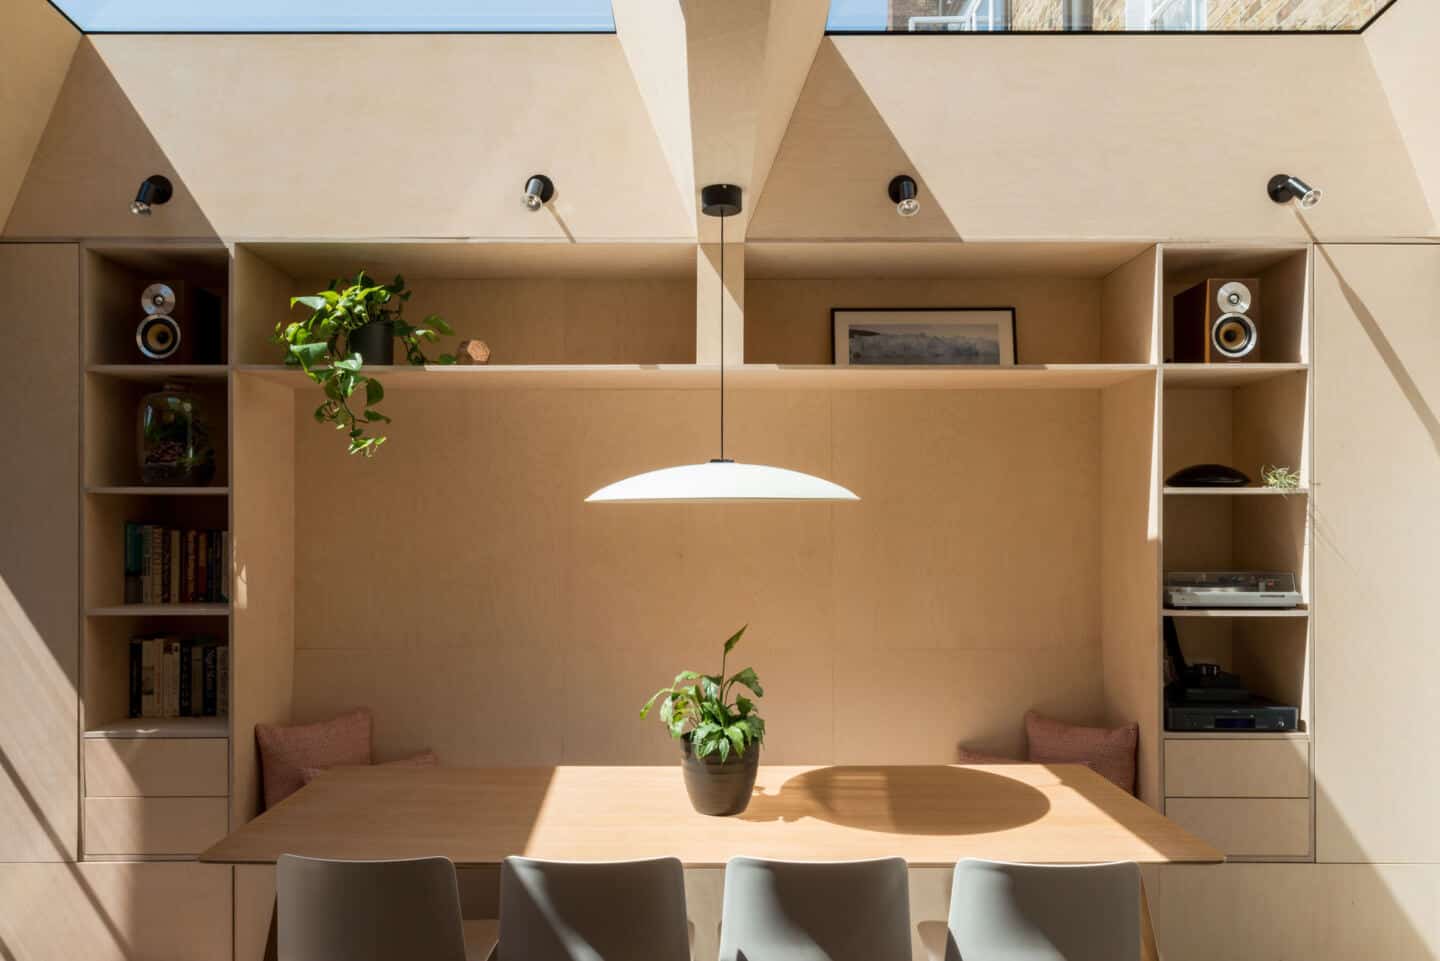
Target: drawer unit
{"x": 1247, "y": 827}
{"x": 157, "y": 767}
{"x": 157, "y": 827}
{"x": 1220, "y": 768}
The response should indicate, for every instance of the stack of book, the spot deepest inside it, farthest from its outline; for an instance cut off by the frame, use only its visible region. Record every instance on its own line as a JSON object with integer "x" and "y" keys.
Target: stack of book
{"x": 174, "y": 676}
{"x": 168, "y": 566}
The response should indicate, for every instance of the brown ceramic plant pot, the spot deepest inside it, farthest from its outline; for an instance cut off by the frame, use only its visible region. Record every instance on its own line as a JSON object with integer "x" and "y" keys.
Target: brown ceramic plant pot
{"x": 716, "y": 788}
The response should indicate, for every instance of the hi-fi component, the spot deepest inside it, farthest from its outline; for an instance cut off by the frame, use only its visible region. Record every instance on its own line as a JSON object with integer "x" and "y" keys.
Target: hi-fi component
{"x": 1214, "y": 322}
{"x": 182, "y": 324}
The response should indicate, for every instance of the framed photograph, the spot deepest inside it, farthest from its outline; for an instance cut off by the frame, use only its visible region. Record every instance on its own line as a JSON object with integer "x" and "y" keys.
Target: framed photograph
{"x": 937, "y": 336}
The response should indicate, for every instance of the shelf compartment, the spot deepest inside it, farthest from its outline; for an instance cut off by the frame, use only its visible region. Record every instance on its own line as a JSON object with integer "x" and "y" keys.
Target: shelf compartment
{"x": 1200, "y": 376}
{"x": 1249, "y": 426}
{"x": 107, "y": 633}
{"x": 1236, "y": 492}
{"x": 163, "y": 727}
{"x": 104, "y": 556}
{"x": 1291, "y": 612}
{"x": 1281, "y": 298}
{"x": 1271, "y": 656}
{"x": 159, "y": 373}
{"x": 140, "y": 491}
{"x": 112, "y": 407}
{"x": 1237, "y": 534}
{"x": 159, "y": 610}
{"x": 115, "y": 275}
{"x": 745, "y": 377}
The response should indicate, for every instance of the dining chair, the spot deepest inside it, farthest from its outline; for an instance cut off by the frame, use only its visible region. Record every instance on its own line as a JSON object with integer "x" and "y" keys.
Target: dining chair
{"x": 1042, "y": 912}
{"x": 815, "y": 910}
{"x": 405, "y": 910}
{"x": 592, "y": 911}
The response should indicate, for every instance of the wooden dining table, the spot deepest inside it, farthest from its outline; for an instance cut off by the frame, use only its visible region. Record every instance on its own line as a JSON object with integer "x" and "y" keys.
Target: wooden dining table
{"x": 930, "y": 815}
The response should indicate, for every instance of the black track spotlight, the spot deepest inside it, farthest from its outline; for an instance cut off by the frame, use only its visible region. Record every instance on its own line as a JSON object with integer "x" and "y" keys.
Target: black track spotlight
{"x": 1284, "y": 188}
{"x": 538, "y": 191}
{"x": 905, "y": 195}
{"x": 154, "y": 190}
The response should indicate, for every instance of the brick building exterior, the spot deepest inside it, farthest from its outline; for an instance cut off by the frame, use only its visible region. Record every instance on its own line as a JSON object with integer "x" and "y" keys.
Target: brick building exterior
{"x": 1220, "y": 14}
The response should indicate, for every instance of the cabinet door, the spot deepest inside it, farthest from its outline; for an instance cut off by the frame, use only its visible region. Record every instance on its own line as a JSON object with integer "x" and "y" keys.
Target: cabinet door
{"x": 1377, "y": 523}
{"x": 39, "y": 544}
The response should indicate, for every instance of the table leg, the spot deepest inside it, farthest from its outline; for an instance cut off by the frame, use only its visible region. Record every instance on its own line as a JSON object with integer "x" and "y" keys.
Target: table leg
{"x": 1149, "y": 950}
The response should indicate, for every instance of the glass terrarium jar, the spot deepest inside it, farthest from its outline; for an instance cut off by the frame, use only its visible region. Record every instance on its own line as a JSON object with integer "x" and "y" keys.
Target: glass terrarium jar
{"x": 174, "y": 435}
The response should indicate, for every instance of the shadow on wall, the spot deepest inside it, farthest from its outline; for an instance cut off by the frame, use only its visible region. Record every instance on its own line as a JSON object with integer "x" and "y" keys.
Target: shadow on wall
{"x": 861, "y": 156}
{"x": 94, "y": 154}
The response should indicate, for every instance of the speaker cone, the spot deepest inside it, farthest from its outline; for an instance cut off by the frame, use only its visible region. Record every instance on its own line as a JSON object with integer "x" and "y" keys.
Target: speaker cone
{"x": 158, "y": 336}
{"x": 1233, "y": 336}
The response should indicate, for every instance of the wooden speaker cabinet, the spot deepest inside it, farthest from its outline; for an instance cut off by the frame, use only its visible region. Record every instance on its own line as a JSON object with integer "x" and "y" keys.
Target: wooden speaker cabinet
{"x": 1216, "y": 322}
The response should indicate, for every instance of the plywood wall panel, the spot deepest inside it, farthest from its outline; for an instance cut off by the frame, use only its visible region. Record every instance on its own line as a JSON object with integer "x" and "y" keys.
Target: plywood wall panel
{"x": 1032, "y": 137}
{"x": 1377, "y": 465}
{"x": 39, "y": 563}
{"x": 515, "y": 624}
{"x": 451, "y": 164}
{"x": 36, "y": 47}
{"x": 112, "y": 911}
{"x": 1401, "y": 46}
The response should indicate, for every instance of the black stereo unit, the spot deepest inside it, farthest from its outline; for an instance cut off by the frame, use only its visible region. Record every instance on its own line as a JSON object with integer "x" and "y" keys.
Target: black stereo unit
{"x": 1256, "y": 714}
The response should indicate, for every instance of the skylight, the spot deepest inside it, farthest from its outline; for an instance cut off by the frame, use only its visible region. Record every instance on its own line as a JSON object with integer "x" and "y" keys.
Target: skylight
{"x": 339, "y": 16}
{"x": 1100, "y": 16}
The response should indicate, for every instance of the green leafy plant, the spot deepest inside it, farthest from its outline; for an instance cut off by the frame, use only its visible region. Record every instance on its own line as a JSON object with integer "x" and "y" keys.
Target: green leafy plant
{"x": 698, "y": 706}
{"x": 320, "y": 346}
{"x": 1280, "y": 478}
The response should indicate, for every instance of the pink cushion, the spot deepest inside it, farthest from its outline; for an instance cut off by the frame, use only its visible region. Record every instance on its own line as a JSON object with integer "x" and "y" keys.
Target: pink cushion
{"x": 286, "y": 752}
{"x": 425, "y": 758}
{"x": 1110, "y": 751}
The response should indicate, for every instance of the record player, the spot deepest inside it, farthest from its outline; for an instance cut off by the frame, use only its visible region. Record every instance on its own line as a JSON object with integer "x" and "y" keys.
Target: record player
{"x": 1231, "y": 589}
{"x": 1202, "y": 697}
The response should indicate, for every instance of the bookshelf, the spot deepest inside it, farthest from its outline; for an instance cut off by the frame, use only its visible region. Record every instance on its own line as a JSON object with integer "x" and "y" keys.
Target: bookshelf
{"x": 135, "y": 796}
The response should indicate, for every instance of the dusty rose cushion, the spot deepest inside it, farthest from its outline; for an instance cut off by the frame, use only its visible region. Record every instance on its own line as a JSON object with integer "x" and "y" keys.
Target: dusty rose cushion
{"x": 286, "y": 752}
{"x": 425, "y": 758}
{"x": 1110, "y": 751}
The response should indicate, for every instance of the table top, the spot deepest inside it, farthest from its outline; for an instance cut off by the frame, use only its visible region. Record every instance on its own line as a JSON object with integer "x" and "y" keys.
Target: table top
{"x": 931, "y": 815}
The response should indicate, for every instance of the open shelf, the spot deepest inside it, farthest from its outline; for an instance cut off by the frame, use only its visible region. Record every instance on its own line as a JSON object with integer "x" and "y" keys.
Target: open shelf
{"x": 1225, "y": 375}
{"x": 1279, "y": 277}
{"x": 1214, "y": 612}
{"x": 163, "y": 727}
{"x": 160, "y": 610}
{"x": 1269, "y": 655}
{"x": 745, "y": 377}
{"x": 141, "y": 491}
{"x": 112, "y": 406}
{"x": 1244, "y": 424}
{"x": 1236, "y": 492}
{"x": 1237, "y": 735}
{"x": 159, "y": 373}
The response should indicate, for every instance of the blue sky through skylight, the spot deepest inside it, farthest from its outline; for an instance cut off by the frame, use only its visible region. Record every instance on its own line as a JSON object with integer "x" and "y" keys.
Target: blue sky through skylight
{"x": 857, "y": 15}
{"x": 341, "y": 16}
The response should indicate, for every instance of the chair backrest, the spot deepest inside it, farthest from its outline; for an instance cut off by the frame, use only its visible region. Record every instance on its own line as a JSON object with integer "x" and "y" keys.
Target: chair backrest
{"x": 1079, "y": 912}
{"x": 593, "y": 910}
{"x": 816, "y": 911}
{"x": 367, "y": 910}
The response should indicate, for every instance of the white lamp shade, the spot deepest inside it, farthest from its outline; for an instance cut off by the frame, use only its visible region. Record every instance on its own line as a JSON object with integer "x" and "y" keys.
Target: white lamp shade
{"x": 720, "y": 482}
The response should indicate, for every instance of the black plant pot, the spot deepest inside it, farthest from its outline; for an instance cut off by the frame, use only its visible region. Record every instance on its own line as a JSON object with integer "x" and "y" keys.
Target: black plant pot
{"x": 720, "y": 789}
{"x": 375, "y": 343}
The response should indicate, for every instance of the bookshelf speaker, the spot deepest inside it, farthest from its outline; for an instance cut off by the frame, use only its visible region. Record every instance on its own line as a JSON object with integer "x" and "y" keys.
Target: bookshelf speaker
{"x": 181, "y": 325}
{"x": 1215, "y": 323}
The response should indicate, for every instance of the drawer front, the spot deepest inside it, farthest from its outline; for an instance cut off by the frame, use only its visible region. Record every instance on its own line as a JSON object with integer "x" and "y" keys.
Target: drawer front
{"x": 1247, "y": 827}
{"x": 1277, "y": 768}
{"x": 153, "y": 826}
{"x": 157, "y": 767}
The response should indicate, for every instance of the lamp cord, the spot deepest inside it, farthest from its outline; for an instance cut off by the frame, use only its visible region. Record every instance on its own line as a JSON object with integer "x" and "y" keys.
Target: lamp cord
{"x": 722, "y": 337}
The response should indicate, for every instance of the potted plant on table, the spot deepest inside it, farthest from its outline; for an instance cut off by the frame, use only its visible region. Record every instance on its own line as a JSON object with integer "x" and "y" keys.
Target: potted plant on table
{"x": 720, "y": 739}
{"x": 348, "y": 328}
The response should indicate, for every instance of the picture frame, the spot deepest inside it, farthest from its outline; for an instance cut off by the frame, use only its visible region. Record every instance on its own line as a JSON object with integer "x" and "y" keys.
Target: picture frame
{"x": 924, "y": 336}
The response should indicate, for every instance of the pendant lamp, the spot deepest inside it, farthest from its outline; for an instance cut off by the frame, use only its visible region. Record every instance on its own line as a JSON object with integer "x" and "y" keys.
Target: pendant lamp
{"x": 721, "y": 480}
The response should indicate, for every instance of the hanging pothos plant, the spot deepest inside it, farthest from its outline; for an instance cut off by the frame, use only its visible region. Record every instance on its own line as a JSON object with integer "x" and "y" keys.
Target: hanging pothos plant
{"x": 321, "y": 345}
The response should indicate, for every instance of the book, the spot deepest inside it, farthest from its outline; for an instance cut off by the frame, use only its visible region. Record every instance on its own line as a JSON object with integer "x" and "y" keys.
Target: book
{"x": 222, "y": 680}
{"x": 182, "y": 670}
{"x": 210, "y": 704}
{"x": 134, "y": 559}
{"x": 150, "y": 678}
{"x": 171, "y": 679}
{"x": 202, "y": 565}
{"x": 172, "y": 566}
{"x": 226, "y": 562}
{"x": 197, "y": 678}
{"x": 137, "y": 658}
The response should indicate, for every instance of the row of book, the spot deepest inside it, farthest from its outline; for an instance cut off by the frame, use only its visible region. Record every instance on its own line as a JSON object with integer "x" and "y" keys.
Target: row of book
{"x": 172, "y": 676}
{"x": 168, "y": 566}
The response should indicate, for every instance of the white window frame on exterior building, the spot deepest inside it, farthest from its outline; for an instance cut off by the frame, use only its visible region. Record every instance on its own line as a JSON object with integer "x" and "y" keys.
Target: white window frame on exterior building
{"x": 1146, "y": 14}
{"x": 972, "y": 16}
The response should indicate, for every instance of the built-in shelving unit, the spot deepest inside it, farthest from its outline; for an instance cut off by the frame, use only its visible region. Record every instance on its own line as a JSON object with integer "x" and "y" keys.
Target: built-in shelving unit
{"x": 1247, "y": 415}
{"x": 142, "y": 774}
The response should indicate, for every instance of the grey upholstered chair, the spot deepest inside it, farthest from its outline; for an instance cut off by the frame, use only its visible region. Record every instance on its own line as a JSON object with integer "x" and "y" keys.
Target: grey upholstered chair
{"x": 592, "y": 911}
{"x": 367, "y": 910}
{"x": 1038, "y": 912}
{"x": 815, "y": 911}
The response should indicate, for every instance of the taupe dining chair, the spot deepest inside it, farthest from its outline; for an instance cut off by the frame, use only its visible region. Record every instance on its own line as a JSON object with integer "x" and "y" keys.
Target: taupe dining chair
{"x": 592, "y": 911}
{"x": 815, "y": 911}
{"x": 367, "y": 910}
{"x": 1039, "y": 912}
